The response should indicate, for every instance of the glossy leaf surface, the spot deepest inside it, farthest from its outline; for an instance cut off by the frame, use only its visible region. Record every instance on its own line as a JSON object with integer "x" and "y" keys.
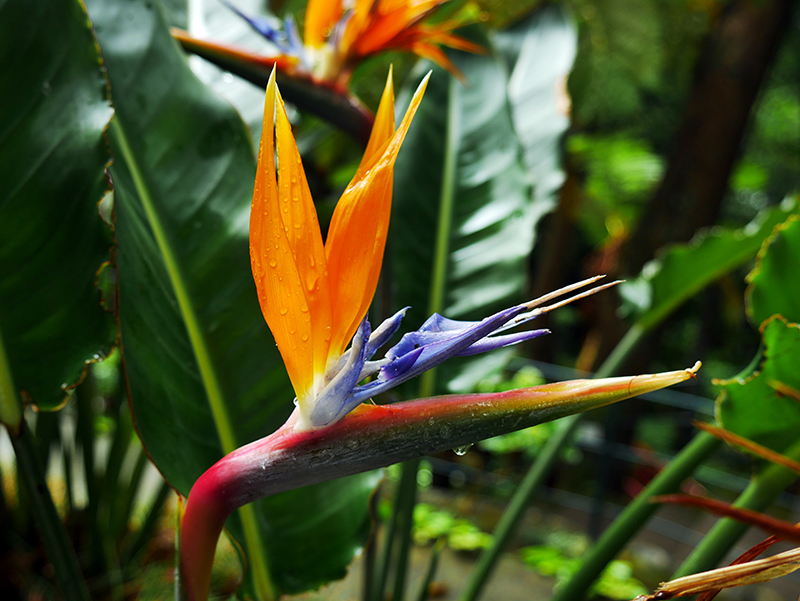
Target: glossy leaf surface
{"x": 54, "y": 107}
{"x": 764, "y": 406}
{"x": 540, "y": 51}
{"x": 203, "y": 372}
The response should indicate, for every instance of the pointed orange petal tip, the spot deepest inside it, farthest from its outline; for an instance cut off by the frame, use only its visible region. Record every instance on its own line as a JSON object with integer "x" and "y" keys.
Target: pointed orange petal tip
{"x": 382, "y": 129}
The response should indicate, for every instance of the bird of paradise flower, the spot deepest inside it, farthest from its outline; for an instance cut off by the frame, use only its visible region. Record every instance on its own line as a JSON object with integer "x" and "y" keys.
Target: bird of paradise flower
{"x": 315, "y": 70}
{"x": 315, "y": 298}
{"x": 339, "y": 35}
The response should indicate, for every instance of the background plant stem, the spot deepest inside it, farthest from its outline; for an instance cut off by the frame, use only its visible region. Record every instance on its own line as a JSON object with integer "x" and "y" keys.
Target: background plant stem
{"x": 54, "y": 535}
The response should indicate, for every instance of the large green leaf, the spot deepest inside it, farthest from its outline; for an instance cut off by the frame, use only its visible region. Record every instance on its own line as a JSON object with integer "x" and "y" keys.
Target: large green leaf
{"x": 54, "y": 107}
{"x": 464, "y": 211}
{"x": 682, "y": 270}
{"x": 203, "y": 371}
{"x": 763, "y": 405}
{"x": 774, "y": 284}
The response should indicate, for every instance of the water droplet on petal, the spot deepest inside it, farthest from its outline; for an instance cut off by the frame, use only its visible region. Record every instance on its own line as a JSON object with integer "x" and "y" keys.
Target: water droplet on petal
{"x": 283, "y": 310}
{"x": 273, "y": 263}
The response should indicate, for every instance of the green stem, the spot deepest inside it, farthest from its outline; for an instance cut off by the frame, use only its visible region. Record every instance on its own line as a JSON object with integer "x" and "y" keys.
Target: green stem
{"x": 425, "y": 585}
{"x": 54, "y": 535}
{"x": 537, "y": 473}
{"x": 85, "y": 433}
{"x": 10, "y": 405}
{"x": 407, "y": 500}
{"x": 635, "y": 515}
{"x": 371, "y": 551}
{"x": 479, "y": 576}
{"x": 447, "y": 197}
{"x": 759, "y": 494}
{"x": 385, "y": 560}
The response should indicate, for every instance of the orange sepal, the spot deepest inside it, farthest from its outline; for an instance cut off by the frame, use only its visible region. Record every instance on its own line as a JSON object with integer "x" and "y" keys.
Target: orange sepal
{"x": 294, "y": 294}
{"x": 357, "y": 235}
{"x": 382, "y": 129}
{"x": 321, "y": 17}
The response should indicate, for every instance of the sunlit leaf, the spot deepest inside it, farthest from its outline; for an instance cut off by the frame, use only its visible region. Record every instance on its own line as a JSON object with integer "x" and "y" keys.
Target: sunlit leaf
{"x": 764, "y": 406}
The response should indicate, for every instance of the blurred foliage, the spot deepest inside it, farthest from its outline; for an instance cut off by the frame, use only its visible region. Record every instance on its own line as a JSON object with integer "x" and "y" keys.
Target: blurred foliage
{"x": 560, "y": 556}
{"x": 431, "y": 524}
{"x": 621, "y": 173}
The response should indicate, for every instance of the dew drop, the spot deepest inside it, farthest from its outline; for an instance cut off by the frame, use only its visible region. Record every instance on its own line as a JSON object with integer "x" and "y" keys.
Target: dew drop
{"x": 304, "y": 337}
{"x": 283, "y": 310}
{"x": 462, "y": 450}
{"x": 273, "y": 263}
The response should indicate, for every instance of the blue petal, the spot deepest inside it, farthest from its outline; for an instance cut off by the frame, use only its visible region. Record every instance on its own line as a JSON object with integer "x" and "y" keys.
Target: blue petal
{"x": 495, "y": 342}
{"x": 293, "y": 40}
{"x": 384, "y": 332}
{"x": 437, "y": 340}
{"x": 334, "y": 402}
{"x": 263, "y": 26}
{"x": 442, "y": 338}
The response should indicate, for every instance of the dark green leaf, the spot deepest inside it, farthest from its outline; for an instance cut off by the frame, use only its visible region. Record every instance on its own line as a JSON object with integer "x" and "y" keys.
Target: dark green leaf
{"x": 54, "y": 107}
{"x": 203, "y": 371}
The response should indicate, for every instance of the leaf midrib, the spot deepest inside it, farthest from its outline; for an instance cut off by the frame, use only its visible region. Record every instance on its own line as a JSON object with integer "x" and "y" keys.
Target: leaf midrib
{"x": 208, "y": 376}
